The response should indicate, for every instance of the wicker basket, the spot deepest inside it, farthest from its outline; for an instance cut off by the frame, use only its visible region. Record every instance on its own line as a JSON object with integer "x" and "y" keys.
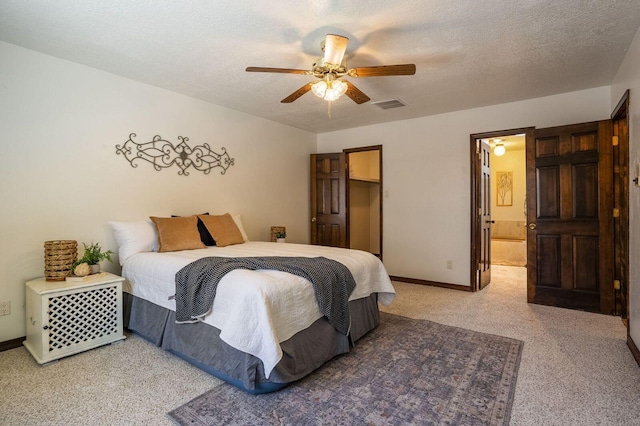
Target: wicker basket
{"x": 59, "y": 255}
{"x": 275, "y": 230}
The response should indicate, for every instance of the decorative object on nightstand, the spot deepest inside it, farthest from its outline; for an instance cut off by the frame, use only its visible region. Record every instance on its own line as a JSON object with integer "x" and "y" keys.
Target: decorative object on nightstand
{"x": 68, "y": 317}
{"x": 278, "y": 232}
{"x": 92, "y": 256}
{"x": 82, "y": 270}
{"x": 59, "y": 255}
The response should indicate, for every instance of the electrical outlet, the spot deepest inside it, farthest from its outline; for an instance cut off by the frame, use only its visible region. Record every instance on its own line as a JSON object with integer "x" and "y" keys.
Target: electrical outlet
{"x": 449, "y": 264}
{"x": 5, "y": 307}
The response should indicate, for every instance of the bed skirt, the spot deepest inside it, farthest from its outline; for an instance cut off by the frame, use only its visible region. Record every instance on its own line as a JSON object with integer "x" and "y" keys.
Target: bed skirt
{"x": 200, "y": 344}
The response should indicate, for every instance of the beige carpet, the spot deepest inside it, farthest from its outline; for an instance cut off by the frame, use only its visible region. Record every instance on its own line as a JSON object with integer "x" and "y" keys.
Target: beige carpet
{"x": 575, "y": 368}
{"x": 129, "y": 382}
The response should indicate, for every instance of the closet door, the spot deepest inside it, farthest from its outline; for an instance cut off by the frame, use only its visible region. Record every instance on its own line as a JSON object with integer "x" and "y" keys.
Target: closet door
{"x": 328, "y": 200}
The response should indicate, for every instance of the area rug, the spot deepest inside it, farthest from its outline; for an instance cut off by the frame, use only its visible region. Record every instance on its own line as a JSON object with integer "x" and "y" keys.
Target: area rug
{"x": 405, "y": 371}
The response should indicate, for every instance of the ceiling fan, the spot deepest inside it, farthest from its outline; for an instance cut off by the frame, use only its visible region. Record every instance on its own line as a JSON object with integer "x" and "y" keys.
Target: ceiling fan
{"x": 330, "y": 68}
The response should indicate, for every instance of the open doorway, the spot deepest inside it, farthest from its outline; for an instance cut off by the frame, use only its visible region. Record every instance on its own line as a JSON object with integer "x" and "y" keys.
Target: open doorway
{"x": 364, "y": 189}
{"x": 498, "y": 202}
{"x": 508, "y": 200}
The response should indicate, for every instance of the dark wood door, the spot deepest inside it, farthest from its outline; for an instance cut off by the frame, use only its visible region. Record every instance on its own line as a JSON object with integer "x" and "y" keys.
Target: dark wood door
{"x": 569, "y": 213}
{"x": 484, "y": 268}
{"x": 328, "y": 200}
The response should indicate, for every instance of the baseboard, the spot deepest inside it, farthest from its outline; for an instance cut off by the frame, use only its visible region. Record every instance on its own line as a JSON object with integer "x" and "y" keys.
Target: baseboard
{"x": 430, "y": 283}
{"x": 11, "y": 344}
{"x": 634, "y": 349}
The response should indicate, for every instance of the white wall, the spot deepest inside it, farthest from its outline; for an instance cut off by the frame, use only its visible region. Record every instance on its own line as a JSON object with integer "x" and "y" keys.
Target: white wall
{"x": 628, "y": 77}
{"x": 60, "y": 177}
{"x": 427, "y": 175}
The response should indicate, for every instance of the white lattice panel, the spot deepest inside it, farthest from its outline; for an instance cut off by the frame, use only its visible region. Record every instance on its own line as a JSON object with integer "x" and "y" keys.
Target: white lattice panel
{"x": 79, "y": 317}
{"x": 66, "y": 318}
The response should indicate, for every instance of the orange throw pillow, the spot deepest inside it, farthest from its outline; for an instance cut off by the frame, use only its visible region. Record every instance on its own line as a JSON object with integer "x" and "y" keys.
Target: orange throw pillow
{"x": 223, "y": 229}
{"x": 177, "y": 233}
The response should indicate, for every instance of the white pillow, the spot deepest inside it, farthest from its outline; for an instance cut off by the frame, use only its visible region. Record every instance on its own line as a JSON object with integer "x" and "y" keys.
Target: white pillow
{"x": 134, "y": 237}
{"x": 238, "y": 220}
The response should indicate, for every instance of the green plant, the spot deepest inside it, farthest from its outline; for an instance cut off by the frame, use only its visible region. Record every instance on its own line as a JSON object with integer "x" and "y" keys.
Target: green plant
{"x": 93, "y": 255}
{"x": 281, "y": 234}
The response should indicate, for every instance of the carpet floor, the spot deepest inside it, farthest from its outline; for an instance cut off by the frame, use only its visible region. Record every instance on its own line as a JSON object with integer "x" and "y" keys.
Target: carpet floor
{"x": 406, "y": 371}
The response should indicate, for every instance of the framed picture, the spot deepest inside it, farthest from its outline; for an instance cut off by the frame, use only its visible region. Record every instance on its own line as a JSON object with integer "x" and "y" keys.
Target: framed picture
{"x": 504, "y": 188}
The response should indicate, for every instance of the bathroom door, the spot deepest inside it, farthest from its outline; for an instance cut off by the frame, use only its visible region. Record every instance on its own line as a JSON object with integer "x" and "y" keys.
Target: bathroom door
{"x": 484, "y": 215}
{"x": 570, "y": 217}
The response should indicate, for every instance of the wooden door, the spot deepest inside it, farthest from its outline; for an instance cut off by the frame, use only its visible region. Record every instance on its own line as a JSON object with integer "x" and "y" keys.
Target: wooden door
{"x": 328, "y": 200}
{"x": 569, "y": 213}
{"x": 484, "y": 268}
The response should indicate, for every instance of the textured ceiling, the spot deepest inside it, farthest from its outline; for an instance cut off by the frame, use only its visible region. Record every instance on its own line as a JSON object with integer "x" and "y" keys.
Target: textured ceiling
{"x": 468, "y": 53}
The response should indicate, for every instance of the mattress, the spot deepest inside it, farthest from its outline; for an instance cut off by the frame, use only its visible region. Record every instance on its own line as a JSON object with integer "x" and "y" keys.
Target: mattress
{"x": 255, "y": 311}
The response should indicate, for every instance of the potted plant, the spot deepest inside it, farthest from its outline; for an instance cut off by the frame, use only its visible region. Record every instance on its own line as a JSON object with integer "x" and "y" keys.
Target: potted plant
{"x": 92, "y": 256}
{"x": 280, "y": 236}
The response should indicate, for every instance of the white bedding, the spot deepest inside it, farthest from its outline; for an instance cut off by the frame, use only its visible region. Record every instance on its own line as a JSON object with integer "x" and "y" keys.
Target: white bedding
{"x": 256, "y": 310}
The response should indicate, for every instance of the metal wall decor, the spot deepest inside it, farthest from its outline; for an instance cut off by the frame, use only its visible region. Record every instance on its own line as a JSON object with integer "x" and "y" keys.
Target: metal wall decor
{"x": 163, "y": 154}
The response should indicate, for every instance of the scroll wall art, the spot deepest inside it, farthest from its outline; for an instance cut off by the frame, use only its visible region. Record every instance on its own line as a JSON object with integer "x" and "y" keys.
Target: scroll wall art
{"x": 163, "y": 154}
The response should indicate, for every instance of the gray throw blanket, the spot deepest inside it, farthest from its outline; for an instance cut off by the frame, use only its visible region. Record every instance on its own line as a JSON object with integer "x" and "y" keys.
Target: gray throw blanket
{"x": 332, "y": 282}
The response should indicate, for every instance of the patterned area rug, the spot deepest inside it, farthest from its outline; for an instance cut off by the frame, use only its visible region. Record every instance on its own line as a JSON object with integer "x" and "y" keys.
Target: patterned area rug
{"x": 404, "y": 372}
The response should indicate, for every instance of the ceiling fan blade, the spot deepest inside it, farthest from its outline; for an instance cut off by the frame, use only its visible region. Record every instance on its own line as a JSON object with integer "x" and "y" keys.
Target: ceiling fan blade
{"x": 278, "y": 70}
{"x": 295, "y": 95}
{"x": 382, "y": 70}
{"x": 356, "y": 94}
{"x": 334, "y": 48}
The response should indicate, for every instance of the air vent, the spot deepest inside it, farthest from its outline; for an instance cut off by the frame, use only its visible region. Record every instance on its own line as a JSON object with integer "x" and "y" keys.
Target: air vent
{"x": 393, "y": 103}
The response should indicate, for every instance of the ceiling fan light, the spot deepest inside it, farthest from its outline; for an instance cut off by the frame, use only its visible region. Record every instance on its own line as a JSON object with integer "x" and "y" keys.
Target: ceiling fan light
{"x": 331, "y": 94}
{"x": 340, "y": 87}
{"x": 499, "y": 149}
{"x": 319, "y": 89}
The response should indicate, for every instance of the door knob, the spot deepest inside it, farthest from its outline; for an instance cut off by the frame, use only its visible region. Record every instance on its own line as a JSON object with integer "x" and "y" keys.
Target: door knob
{"x": 313, "y": 219}
{"x": 532, "y": 226}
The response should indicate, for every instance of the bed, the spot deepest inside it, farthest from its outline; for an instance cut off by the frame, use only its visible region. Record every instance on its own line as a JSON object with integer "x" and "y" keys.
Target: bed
{"x": 265, "y": 329}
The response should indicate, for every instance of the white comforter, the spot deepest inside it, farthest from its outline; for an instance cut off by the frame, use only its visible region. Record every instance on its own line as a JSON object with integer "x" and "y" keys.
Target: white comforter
{"x": 256, "y": 310}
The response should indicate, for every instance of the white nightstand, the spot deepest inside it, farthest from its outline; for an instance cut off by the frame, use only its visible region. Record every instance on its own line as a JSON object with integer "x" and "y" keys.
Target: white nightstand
{"x": 67, "y": 317}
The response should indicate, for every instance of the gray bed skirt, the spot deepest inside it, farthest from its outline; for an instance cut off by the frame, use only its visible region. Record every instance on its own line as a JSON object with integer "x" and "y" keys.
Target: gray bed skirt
{"x": 200, "y": 344}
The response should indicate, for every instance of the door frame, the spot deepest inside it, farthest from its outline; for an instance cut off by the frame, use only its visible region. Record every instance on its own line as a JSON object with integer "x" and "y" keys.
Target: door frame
{"x": 380, "y": 186}
{"x": 476, "y": 229}
{"x": 621, "y": 202}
